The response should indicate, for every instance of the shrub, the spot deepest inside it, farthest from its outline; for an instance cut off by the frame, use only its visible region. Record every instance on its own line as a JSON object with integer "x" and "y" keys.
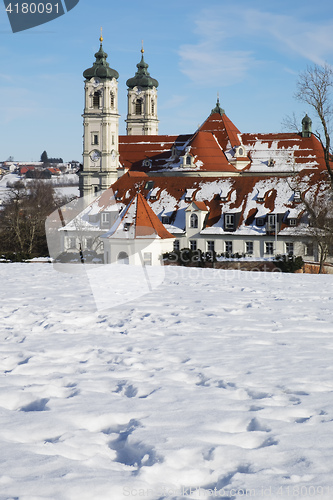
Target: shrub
{"x": 288, "y": 263}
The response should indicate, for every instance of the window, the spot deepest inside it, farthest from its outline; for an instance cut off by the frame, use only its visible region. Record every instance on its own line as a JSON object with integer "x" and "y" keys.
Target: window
{"x": 149, "y": 185}
{"x": 228, "y": 247}
{"x": 176, "y": 245}
{"x": 260, "y": 222}
{"x": 105, "y": 218}
{"x": 292, "y": 222}
{"x": 188, "y": 160}
{"x": 122, "y": 258}
{"x": 127, "y": 226}
{"x": 89, "y": 243}
{"x": 152, "y": 107}
{"x": 194, "y": 221}
{"x": 211, "y": 246}
{"x": 297, "y": 196}
{"x": 138, "y": 107}
{"x": 193, "y": 244}
{"x": 96, "y": 100}
{"x": 229, "y": 221}
{"x": 95, "y": 139}
{"x": 269, "y": 247}
{"x": 165, "y": 219}
{"x": 249, "y": 247}
{"x": 290, "y": 248}
{"x": 147, "y": 259}
{"x": 71, "y": 242}
{"x": 112, "y": 99}
{"x": 112, "y": 140}
{"x": 147, "y": 163}
{"x": 271, "y": 222}
{"x": 308, "y": 249}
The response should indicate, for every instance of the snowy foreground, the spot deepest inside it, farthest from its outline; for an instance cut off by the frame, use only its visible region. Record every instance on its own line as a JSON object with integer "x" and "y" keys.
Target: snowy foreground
{"x": 217, "y": 384}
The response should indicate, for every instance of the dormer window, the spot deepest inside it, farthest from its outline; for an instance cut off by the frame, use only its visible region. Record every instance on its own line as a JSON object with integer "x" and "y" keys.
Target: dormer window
{"x": 292, "y": 222}
{"x": 188, "y": 160}
{"x": 261, "y": 196}
{"x": 147, "y": 163}
{"x": 271, "y": 162}
{"x": 127, "y": 226}
{"x": 239, "y": 151}
{"x": 194, "y": 221}
{"x": 105, "y": 218}
{"x": 165, "y": 219}
{"x": 260, "y": 221}
{"x": 229, "y": 222}
{"x": 149, "y": 185}
{"x": 297, "y": 197}
{"x": 96, "y": 100}
{"x": 189, "y": 194}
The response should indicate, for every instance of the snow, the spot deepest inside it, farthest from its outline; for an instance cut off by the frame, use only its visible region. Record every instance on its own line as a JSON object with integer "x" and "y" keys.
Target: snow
{"x": 214, "y": 379}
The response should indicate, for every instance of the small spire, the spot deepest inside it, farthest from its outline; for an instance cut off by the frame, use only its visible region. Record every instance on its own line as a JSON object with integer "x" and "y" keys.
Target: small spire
{"x": 218, "y": 108}
{"x": 101, "y": 37}
{"x": 142, "y": 49}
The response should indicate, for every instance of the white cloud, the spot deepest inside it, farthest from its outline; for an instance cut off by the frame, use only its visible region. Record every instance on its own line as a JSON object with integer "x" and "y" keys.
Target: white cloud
{"x": 174, "y": 101}
{"x": 219, "y": 58}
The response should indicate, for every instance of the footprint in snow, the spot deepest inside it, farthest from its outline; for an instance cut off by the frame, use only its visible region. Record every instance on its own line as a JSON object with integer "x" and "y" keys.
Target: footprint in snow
{"x": 38, "y": 405}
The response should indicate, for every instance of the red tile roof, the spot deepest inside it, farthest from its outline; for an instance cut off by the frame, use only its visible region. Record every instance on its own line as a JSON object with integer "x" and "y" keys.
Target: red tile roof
{"x": 147, "y": 222}
{"x": 223, "y": 129}
{"x": 206, "y": 150}
{"x": 134, "y": 149}
{"x": 140, "y": 215}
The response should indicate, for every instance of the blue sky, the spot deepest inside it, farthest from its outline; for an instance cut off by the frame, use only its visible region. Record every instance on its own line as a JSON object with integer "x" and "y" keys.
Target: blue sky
{"x": 249, "y": 51}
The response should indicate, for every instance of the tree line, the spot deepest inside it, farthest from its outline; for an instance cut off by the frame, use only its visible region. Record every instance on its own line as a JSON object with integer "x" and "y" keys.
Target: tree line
{"x": 22, "y": 219}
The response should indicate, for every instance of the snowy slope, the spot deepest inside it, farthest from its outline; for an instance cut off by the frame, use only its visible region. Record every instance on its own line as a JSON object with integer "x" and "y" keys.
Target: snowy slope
{"x": 216, "y": 379}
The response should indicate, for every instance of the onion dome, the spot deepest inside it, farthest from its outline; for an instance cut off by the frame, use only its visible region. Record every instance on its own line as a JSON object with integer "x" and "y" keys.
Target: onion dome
{"x": 142, "y": 77}
{"x": 101, "y": 68}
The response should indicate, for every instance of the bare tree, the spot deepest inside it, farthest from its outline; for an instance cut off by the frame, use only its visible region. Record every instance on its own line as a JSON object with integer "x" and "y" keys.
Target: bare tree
{"x": 314, "y": 87}
{"x": 22, "y": 218}
{"x": 319, "y": 208}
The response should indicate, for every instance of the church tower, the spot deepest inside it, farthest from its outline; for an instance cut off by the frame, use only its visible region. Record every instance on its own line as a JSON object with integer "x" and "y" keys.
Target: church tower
{"x": 142, "y": 102}
{"x": 101, "y": 126}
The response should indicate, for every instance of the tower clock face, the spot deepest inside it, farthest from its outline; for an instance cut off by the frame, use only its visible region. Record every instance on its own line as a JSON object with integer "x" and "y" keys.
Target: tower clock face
{"x": 95, "y": 155}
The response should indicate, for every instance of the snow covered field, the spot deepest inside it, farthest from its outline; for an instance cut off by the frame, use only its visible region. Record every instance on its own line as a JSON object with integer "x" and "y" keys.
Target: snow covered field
{"x": 217, "y": 384}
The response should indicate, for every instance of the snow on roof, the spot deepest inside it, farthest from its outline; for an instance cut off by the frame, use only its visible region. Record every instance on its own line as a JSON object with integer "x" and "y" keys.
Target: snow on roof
{"x": 138, "y": 220}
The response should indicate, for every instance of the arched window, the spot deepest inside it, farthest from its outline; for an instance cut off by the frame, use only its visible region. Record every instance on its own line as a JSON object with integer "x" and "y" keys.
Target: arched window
{"x": 138, "y": 107}
{"x": 96, "y": 99}
{"x": 122, "y": 258}
{"x": 194, "y": 220}
{"x": 112, "y": 99}
{"x": 152, "y": 107}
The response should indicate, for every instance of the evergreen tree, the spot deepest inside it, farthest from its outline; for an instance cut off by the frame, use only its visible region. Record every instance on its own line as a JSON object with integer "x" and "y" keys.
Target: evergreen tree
{"x": 43, "y": 157}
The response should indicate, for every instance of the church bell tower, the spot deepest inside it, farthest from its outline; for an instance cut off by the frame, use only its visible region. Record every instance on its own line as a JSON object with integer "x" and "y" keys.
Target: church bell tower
{"x": 142, "y": 102}
{"x": 101, "y": 126}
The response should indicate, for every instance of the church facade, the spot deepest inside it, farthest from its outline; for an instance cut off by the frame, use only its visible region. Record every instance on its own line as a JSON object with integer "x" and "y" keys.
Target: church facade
{"x": 216, "y": 189}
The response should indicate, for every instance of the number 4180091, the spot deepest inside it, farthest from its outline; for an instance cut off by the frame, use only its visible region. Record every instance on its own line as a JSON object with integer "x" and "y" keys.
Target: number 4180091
{"x": 32, "y": 8}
